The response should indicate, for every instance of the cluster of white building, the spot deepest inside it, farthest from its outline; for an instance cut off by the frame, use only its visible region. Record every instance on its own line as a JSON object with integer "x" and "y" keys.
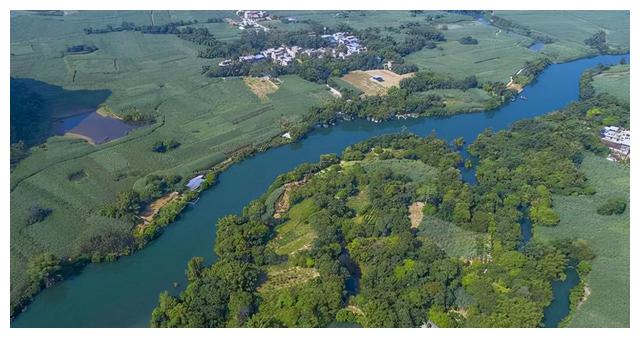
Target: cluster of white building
{"x": 252, "y": 19}
{"x": 618, "y": 140}
{"x": 285, "y": 55}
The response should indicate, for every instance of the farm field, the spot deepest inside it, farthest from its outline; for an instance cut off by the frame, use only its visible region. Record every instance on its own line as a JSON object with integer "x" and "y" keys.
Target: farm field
{"x": 615, "y": 81}
{"x": 496, "y": 56}
{"x": 363, "y": 80}
{"x": 571, "y": 28}
{"x": 608, "y": 304}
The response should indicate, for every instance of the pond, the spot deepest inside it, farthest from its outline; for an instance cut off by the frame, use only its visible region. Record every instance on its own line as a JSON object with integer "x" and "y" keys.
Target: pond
{"x": 73, "y": 112}
{"x": 93, "y": 127}
{"x": 536, "y": 46}
{"x": 123, "y": 293}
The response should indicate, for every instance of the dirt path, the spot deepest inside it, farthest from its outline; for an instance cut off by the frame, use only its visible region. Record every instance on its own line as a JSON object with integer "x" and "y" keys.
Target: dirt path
{"x": 415, "y": 214}
{"x": 587, "y": 293}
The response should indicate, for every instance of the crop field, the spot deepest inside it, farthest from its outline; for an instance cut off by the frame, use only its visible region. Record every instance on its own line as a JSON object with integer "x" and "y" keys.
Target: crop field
{"x": 615, "y": 81}
{"x": 571, "y": 28}
{"x": 283, "y": 276}
{"x": 154, "y": 73}
{"x": 363, "y": 81}
{"x": 496, "y": 56}
{"x": 296, "y": 233}
{"x": 455, "y": 241}
{"x": 365, "y": 19}
{"x": 608, "y": 304}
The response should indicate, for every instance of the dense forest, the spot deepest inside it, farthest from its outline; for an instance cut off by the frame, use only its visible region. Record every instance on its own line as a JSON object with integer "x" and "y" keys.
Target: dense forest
{"x": 354, "y": 256}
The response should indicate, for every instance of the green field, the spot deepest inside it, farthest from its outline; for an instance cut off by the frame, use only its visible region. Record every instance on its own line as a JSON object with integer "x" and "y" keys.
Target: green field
{"x": 615, "y": 81}
{"x": 571, "y": 28}
{"x": 496, "y": 56}
{"x": 454, "y": 240}
{"x": 296, "y": 233}
{"x": 608, "y": 304}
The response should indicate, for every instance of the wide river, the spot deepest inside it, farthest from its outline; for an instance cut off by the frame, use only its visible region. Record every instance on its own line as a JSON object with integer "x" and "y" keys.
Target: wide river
{"x": 123, "y": 293}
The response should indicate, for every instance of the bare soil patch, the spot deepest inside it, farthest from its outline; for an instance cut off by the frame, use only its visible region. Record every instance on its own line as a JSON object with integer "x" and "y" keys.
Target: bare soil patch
{"x": 363, "y": 80}
{"x": 155, "y": 206}
{"x": 261, "y": 86}
{"x": 415, "y": 214}
{"x": 283, "y": 204}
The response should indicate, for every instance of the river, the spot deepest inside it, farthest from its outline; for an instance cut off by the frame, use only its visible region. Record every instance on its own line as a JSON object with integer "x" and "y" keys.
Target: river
{"x": 123, "y": 293}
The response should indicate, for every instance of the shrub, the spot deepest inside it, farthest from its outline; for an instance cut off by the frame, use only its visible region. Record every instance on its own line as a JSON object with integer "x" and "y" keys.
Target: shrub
{"x": 164, "y": 146}
{"x": 615, "y": 205}
{"x": 37, "y": 214}
{"x": 468, "y": 40}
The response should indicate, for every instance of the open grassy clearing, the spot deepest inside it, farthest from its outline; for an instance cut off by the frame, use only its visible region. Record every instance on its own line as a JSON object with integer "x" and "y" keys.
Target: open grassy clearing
{"x": 608, "y": 304}
{"x": 283, "y": 276}
{"x": 417, "y": 171}
{"x": 295, "y": 234}
{"x": 456, "y": 100}
{"x": 155, "y": 73}
{"x": 571, "y": 28}
{"x": 615, "y": 81}
{"x": 454, "y": 240}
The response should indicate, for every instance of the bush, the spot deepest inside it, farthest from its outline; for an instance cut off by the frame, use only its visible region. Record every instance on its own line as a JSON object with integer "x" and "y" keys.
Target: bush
{"x": 468, "y": 40}
{"x": 37, "y": 214}
{"x": 164, "y": 146}
{"x": 615, "y": 205}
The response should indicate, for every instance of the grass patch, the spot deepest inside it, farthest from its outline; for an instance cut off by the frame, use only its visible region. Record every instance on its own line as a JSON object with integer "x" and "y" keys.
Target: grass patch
{"x": 571, "y": 28}
{"x": 608, "y": 304}
{"x": 455, "y": 241}
{"x": 283, "y": 276}
{"x": 496, "y": 56}
{"x": 615, "y": 81}
{"x": 296, "y": 233}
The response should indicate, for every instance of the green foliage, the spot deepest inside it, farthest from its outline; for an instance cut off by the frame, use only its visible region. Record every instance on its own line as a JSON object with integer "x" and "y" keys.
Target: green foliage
{"x": 36, "y": 214}
{"x": 127, "y": 205}
{"x": 615, "y": 205}
{"x": 598, "y": 41}
{"x": 468, "y": 40}
{"x": 164, "y": 146}
{"x": 441, "y": 318}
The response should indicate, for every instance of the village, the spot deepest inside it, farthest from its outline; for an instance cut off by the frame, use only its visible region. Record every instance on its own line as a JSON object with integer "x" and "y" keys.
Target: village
{"x": 342, "y": 45}
{"x": 618, "y": 140}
